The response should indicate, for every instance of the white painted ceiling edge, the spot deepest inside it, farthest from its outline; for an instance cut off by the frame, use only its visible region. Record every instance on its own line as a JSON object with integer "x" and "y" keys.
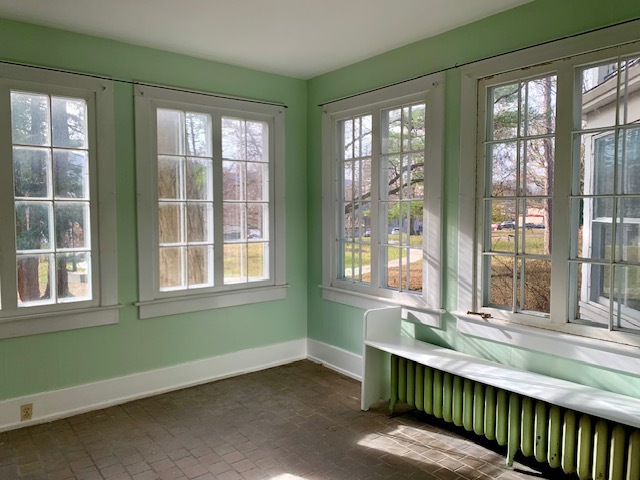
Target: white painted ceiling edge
{"x": 297, "y": 38}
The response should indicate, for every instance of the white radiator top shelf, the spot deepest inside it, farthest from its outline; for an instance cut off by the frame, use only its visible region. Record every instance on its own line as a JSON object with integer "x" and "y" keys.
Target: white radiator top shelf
{"x": 582, "y": 398}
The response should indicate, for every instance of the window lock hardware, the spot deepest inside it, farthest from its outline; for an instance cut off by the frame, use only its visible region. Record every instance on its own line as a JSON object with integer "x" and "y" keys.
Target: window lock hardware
{"x": 482, "y": 314}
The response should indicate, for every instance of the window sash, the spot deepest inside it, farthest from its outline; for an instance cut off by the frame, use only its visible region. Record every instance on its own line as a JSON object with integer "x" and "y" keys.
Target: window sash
{"x": 152, "y": 300}
{"x": 564, "y": 286}
{"x": 374, "y": 103}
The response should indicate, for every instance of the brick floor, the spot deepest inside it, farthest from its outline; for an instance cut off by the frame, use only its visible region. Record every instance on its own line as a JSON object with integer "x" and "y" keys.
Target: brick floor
{"x": 295, "y": 422}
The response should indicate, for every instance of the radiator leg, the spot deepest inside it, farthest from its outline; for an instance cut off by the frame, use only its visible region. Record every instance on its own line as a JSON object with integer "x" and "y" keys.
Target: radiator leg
{"x": 490, "y": 413}
{"x": 428, "y": 390}
{"x": 457, "y": 401}
{"x": 633, "y": 456}
{"x": 502, "y": 417}
{"x": 585, "y": 442}
{"x": 528, "y": 416}
{"x": 437, "y": 393}
{"x": 467, "y": 405}
{"x": 514, "y": 428}
{"x": 541, "y": 433}
{"x": 478, "y": 409}
{"x": 600, "y": 448}
{"x": 569, "y": 440}
{"x": 447, "y": 397}
{"x": 555, "y": 436}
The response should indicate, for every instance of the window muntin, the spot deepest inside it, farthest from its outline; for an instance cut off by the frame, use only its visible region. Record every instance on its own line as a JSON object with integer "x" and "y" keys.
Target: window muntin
{"x": 605, "y": 259}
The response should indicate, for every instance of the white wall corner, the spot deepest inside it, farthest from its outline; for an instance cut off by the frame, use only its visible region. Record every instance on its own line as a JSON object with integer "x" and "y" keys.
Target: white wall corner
{"x": 335, "y": 358}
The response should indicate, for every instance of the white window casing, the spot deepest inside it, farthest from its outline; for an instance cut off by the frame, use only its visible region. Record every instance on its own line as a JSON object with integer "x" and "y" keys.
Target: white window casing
{"x": 216, "y": 292}
{"x": 98, "y": 305}
{"x": 423, "y": 306}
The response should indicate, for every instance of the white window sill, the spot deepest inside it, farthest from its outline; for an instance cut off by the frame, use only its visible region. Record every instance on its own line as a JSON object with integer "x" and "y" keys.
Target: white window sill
{"x": 195, "y": 303}
{"x": 413, "y": 309}
{"x": 58, "y": 321}
{"x": 550, "y": 339}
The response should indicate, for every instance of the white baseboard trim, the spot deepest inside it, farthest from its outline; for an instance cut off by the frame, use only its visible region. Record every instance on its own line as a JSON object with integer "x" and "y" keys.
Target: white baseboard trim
{"x": 335, "y": 358}
{"x": 48, "y": 406}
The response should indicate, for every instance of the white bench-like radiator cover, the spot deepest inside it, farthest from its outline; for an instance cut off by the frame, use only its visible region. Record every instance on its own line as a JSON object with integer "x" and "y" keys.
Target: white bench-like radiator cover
{"x": 579, "y": 428}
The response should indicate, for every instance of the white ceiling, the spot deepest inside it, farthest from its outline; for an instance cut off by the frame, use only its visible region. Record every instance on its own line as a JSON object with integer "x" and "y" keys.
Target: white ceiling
{"x": 298, "y": 38}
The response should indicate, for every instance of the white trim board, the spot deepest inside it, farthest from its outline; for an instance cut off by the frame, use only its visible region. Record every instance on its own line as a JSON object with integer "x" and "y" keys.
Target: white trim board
{"x": 335, "y": 358}
{"x": 49, "y": 406}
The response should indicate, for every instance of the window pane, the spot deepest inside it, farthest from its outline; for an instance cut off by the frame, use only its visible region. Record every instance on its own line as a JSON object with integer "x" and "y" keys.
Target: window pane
{"x": 233, "y": 139}
{"x": 234, "y": 224}
{"x": 73, "y": 275}
{"x": 539, "y": 111}
{"x": 257, "y": 182}
{"x": 628, "y": 230}
{"x": 71, "y": 174}
{"x": 414, "y": 177}
{"x": 533, "y": 236}
{"x": 30, "y": 119}
{"x": 504, "y": 171}
{"x": 235, "y": 263}
{"x": 257, "y": 221}
{"x": 233, "y": 180}
{"x": 592, "y": 293}
{"x": 596, "y": 236}
{"x": 258, "y": 257}
{"x": 417, "y": 127}
{"x": 170, "y": 132}
{"x": 169, "y": 178}
{"x": 596, "y": 82}
{"x": 34, "y": 276}
{"x": 365, "y": 136}
{"x": 198, "y": 128}
{"x": 33, "y": 225}
{"x": 347, "y": 139}
{"x": 362, "y": 179}
{"x": 538, "y": 157}
{"x": 391, "y": 171}
{"x": 391, "y": 136}
{"x": 414, "y": 271}
{"x": 503, "y": 214}
{"x": 597, "y": 158}
{"x": 504, "y": 111}
{"x": 257, "y": 141}
{"x": 630, "y": 160}
{"x": 69, "y": 122}
{"x": 629, "y": 76}
{"x": 199, "y": 176}
{"x": 627, "y": 290}
{"x": 537, "y": 285}
{"x": 394, "y": 266}
{"x": 200, "y": 265}
{"x": 501, "y": 281}
{"x": 170, "y": 223}
{"x": 172, "y": 268}
{"x": 199, "y": 222}
{"x": 31, "y": 172}
{"x": 72, "y": 225}
{"x": 354, "y": 223}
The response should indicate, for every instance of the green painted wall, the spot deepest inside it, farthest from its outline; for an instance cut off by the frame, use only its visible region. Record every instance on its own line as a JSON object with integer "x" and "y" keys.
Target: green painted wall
{"x": 528, "y": 25}
{"x": 57, "y": 360}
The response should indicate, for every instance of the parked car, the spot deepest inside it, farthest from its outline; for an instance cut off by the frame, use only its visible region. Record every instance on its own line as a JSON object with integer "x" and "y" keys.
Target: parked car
{"x": 508, "y": 224}
{"x": 367, "y": 233}
{"x": 496, "y": 226}
{"x": 395, "y": 230}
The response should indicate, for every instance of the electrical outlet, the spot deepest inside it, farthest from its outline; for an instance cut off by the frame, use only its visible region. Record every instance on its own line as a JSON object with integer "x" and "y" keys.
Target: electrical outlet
{"x": 26, "y": 411}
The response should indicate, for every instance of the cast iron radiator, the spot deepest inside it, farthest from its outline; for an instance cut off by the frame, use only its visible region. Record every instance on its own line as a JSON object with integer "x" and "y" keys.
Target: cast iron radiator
{"x": 577, "y": 442}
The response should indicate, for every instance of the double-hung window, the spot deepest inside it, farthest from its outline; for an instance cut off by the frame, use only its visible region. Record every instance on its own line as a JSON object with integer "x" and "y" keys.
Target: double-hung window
{"x": 557, "y": 208}
{"x": 57, "y": 242}
{"x": 382, "y": 211}
{"x": 210, "y": 208}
